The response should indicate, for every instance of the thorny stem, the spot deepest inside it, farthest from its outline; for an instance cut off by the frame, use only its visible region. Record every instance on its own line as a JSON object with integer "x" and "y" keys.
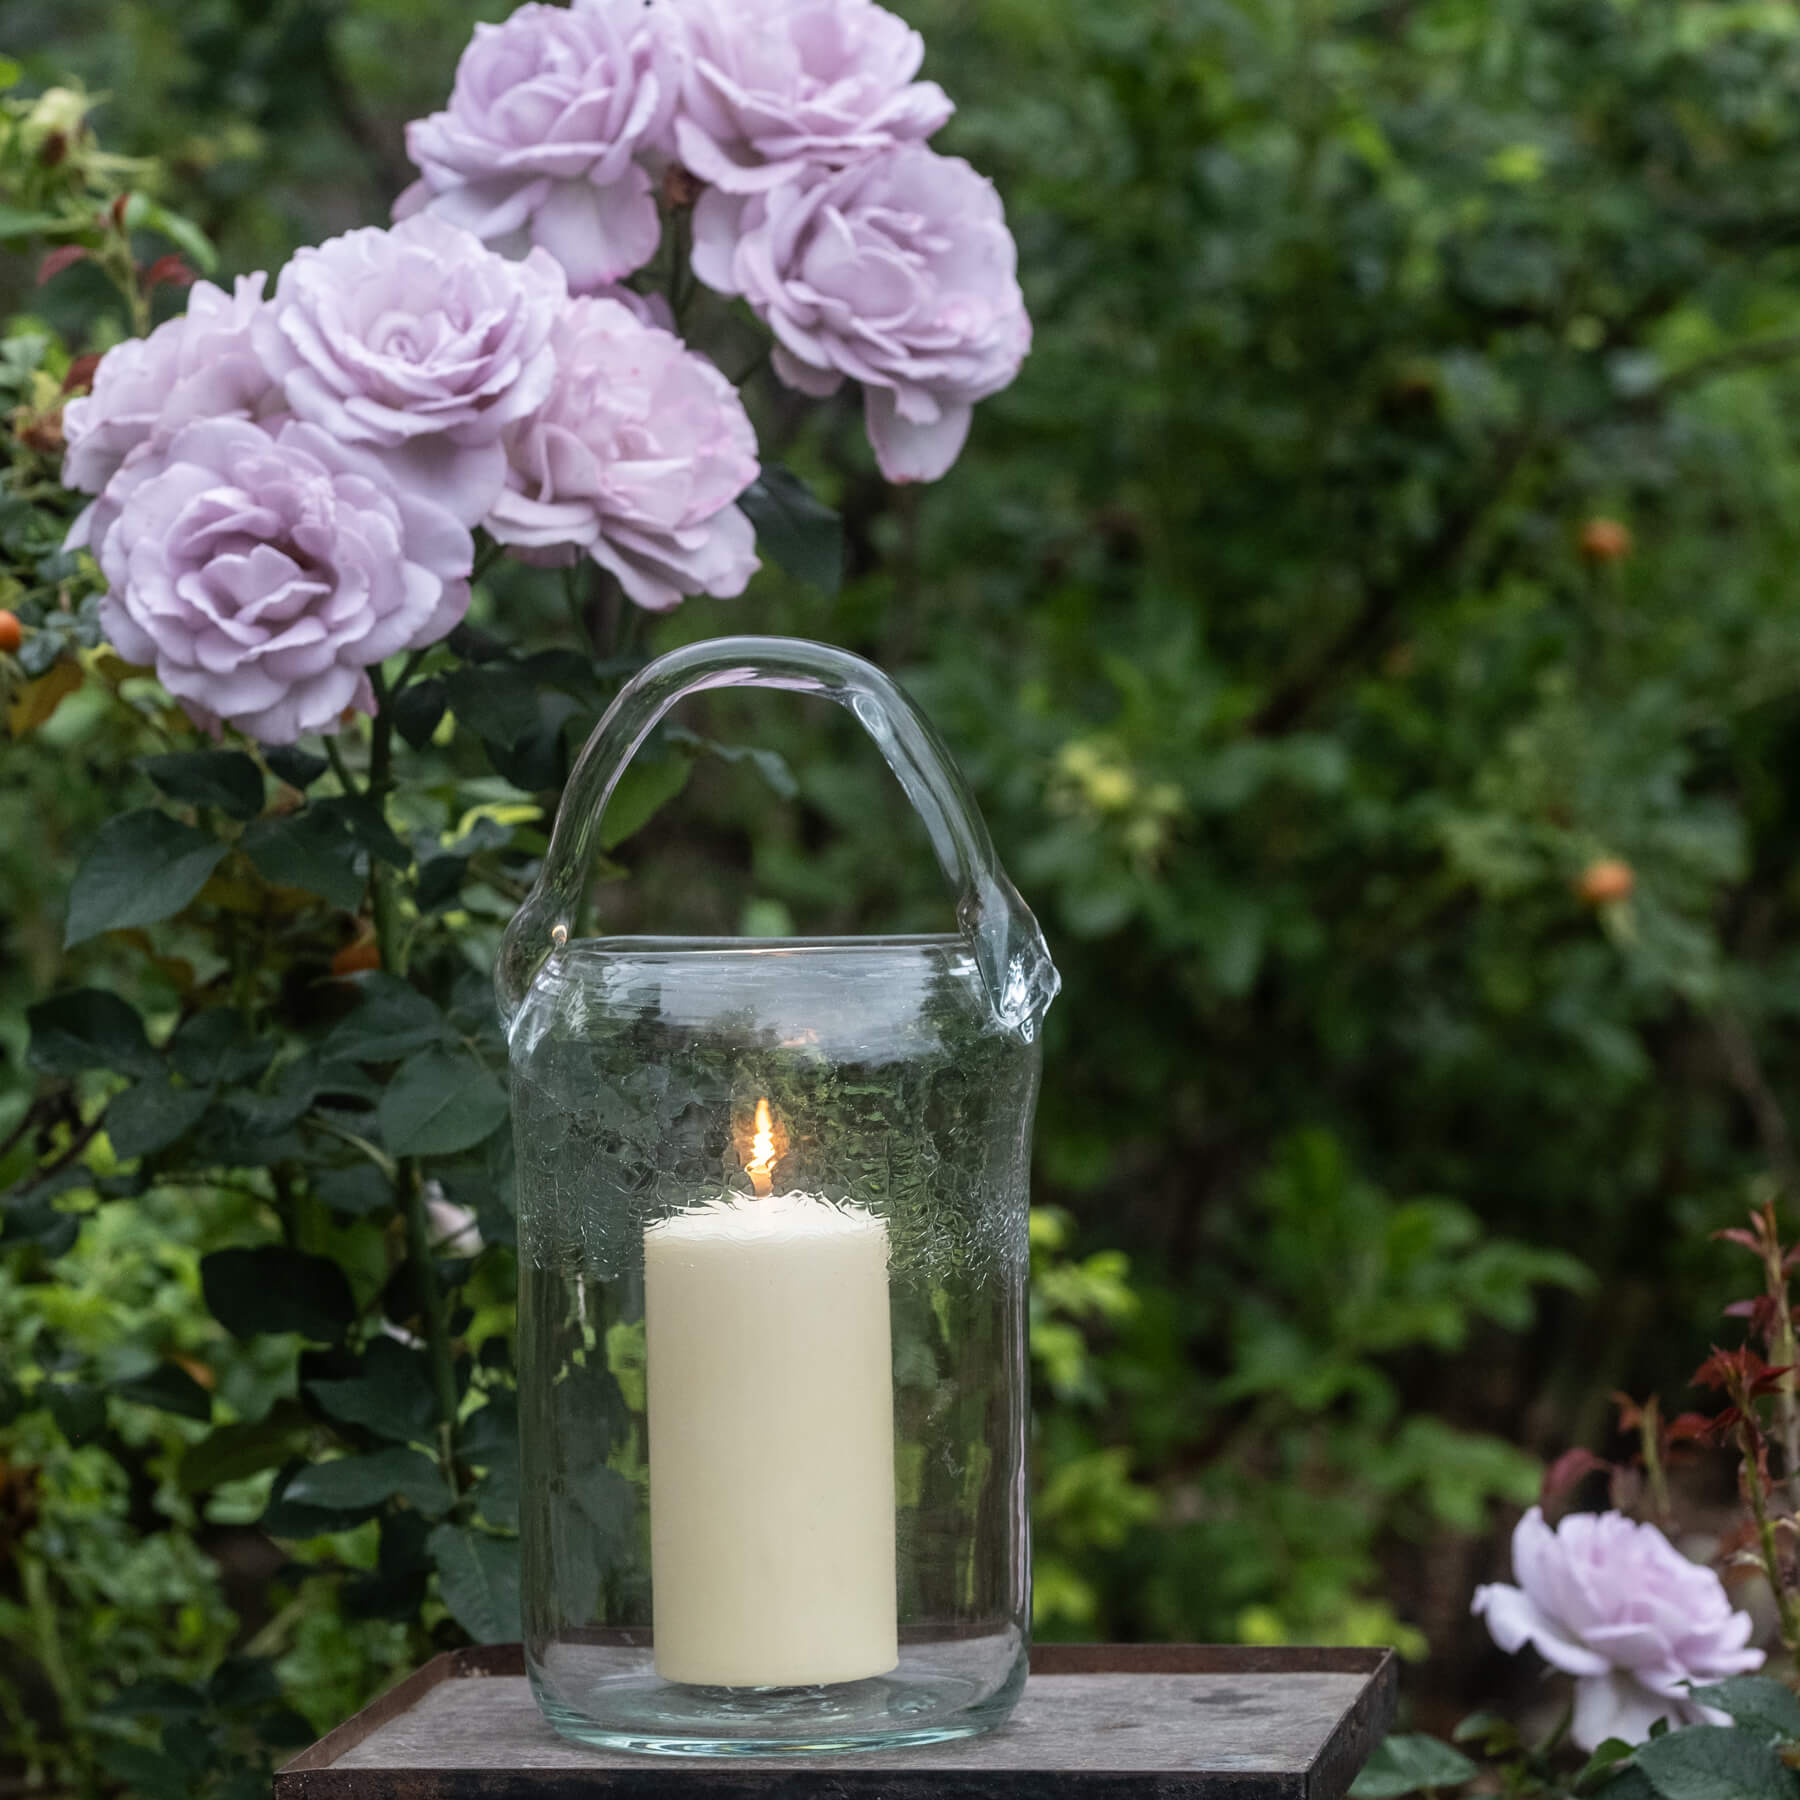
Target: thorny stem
{"x": 1765, "y": 1535}
{"x": 1784, "y": 1352}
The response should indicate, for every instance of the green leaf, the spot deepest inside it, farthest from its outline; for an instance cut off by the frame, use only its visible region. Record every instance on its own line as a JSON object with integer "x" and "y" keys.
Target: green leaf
{"x": 235, "y": 1451}
{"x": 171, "y": 1388}
{"x": 146, "y": 1774}
{"x": 365, "y": 824}
{"x": 16, "y": 222}
{"x": 143, "y": 213}
{"x": 227, "y": 779}
{"x": 492, "y": 1431}
{"x": 153, "y": 1115}
{"x": 418, "y": 710}
{"x": 1714, "y": 1762}
{"x": 272, "y": 1289}
{"x": 440, "y": 1102}
{"x": 155, "y": 1700}
{"x": 1757, "y": 1703}
{"x": 298, "y": 768}
{"x": 311, "y": 850}
{"x": 285, "y": 1518}
{"x": 646, "y": 786}
{"x": 1404, "y": 1763}
{"x": 496, "y": 1496}
{"x": 1606, "y": 1758}
{"x": 390, "y": 1020}
{"x": 392, "y": 1397}
{"x": 241, "y": 1683}
{"x": 354, "y": 1483}
{"x": 440, "y": 881}
{"x": 1490, "y": 1730}
{"x": 495, "y": 701}
{"x": 358, "y": 1188}
{"x": 141, "y": 868}
{"x": 795, "y": 528}
{"x": 88, "y": 1028}
{"x": 38, "y": 1222}
{"x": 78, "y": 1408}
{"x": 479, "y": 1576}
{"x": 215, "y": 1049}
{"x": 771, "y": 765}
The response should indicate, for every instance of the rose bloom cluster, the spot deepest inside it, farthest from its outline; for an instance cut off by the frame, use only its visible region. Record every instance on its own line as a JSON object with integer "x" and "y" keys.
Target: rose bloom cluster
{"x": 288, "y": 484}
{"x": 868, "y": 255}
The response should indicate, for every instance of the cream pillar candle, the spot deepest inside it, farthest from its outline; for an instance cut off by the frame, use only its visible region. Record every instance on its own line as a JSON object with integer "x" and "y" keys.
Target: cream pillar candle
{"x": 770, "y": 1366}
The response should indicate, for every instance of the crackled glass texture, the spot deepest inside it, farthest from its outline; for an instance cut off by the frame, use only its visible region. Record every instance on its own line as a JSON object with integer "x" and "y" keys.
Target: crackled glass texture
{"x": 636, "y": 1064}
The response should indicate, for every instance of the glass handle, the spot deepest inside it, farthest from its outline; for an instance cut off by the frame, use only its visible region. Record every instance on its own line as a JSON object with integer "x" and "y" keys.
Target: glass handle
{"x": 1007, "y": 945}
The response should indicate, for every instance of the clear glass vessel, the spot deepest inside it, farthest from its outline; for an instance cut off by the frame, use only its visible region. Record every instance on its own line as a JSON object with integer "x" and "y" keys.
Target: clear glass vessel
{"x": 773, "y": 1253}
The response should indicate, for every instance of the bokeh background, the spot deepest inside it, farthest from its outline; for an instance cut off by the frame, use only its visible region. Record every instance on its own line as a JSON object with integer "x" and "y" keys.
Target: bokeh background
{"x": 1394, "y": 531}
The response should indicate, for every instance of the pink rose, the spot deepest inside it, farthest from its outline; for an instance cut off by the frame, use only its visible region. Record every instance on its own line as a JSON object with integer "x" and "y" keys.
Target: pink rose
{"x": 1623, "y": 1611}
{"x": 201, "y": 365}
{"x": 773, "y": 87}
{"x": 898, "y": 272}
{"x": 262, "y": 574}
{"x": 543, "y": 137}
{"x": 420, "y": 343}
{"x": 637, "y": 458}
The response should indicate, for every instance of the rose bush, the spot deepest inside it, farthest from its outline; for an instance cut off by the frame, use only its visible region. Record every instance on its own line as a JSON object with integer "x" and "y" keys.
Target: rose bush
{"x": 297, "y": 491}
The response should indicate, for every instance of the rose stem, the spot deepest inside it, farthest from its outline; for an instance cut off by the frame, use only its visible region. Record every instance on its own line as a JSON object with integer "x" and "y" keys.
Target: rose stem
{"x": 409, "y": 1187}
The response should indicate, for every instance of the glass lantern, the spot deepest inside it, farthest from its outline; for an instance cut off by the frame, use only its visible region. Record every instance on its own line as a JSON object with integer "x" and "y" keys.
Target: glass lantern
{"x": 772, "y": 1265}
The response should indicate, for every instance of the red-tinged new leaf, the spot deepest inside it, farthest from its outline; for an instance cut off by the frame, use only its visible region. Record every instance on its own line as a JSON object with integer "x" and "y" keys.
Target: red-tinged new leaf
{"x": 1689, "y": 1428}
{"x": 1741, "y": 1373}
{"x": 1736, "y": 1234}
{"x": 81, "y": 373}
{"x": 1569, "y": 1469}
{"x": 1722, "y": 1429}
{"x": 1763, "y": 1313}
{"x": 169, "y": 271}
{"x": 64, "y": 258}
{"x": 1631, "y": 1415}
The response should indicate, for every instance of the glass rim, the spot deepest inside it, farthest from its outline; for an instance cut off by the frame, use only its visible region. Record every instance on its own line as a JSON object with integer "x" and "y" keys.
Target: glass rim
{"x": 670, "y": 945}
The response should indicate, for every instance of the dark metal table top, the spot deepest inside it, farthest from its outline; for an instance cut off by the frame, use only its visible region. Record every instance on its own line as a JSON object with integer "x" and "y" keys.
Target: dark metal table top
{"x": 1096, "y": 1722}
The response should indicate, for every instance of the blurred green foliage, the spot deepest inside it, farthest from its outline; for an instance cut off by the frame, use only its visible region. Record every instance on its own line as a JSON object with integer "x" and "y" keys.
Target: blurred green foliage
{"x": 1268, "y": 616}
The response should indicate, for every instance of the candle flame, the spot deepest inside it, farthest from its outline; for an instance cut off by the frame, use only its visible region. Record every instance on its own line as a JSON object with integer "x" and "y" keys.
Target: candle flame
{"x": 761, "y": 1166}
